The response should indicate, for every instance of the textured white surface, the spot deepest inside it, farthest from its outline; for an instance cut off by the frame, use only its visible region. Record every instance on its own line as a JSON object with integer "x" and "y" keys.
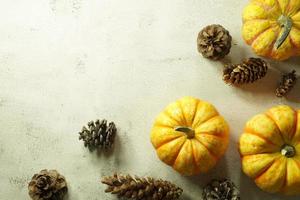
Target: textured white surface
{"x": 66, "y": 62}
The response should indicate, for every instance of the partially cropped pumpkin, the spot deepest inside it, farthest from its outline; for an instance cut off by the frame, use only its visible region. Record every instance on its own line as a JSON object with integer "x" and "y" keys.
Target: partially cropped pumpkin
{"x": 270, "y": 150}
{"x": 190, "y": 136}
{"x": 272, "y": 28}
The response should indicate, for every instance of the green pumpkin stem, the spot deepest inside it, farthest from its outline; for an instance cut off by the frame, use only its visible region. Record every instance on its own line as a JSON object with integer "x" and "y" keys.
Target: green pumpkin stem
{"x": 286, "y": 23}
{"x": 288, "y": 151}
{"x": 187, "y": 130}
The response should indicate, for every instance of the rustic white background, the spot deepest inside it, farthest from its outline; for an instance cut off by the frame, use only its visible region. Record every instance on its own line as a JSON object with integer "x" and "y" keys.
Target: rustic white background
{"x": 66, "y": 62}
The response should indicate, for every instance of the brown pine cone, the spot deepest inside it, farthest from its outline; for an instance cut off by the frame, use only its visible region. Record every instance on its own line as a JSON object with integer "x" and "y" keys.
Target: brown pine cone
{"x": 249, "y": 71}
{"x": 98, "y": 134}
{"x": 287, "y": 83}
{"x": 214, "y": 42}
{"x": 221, "y": 190}
{"x": 47, "y": 185}
{"x": 141, "y": 188}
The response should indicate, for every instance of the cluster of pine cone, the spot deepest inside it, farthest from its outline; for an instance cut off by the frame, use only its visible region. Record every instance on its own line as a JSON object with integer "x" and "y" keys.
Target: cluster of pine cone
{"x": 214, "y": 42}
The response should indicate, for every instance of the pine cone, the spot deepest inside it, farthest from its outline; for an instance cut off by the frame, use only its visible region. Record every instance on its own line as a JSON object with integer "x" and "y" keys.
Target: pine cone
{"x": 287, "y": 83}
{"x": 221, "y": 190}
{"x": 141, "y": 188}
{"x": 249, "y": 71}
{"x": 98, "y": 134}
{"x": 214, "y": 42}
{"x": 47, "y": 185}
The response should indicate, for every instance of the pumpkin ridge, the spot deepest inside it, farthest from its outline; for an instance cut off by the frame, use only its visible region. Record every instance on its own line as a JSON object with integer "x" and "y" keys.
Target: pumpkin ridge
{"x": 273, "y": 43}
{"x": 209, "y": 134}
{"x": 269, "y": 8}
{"x": 269, "y": 115}
{"x": 171, "y": 117}
{"x": 285, "y": 177}
{"x": 278, "y": 4}
{"x": 177, "y": 153}
{"x": 183, "y": 114}
{"x": 162, "y": 125}
{"x": 249, "y": 42}
{"x": 217, "y": 115}
{"x": 252, "y": 132}
{"x": 283, "y": 11}
{"x": 167, "y": 141}
{"x": 265, "y": 170}
{"x": 295, "y": 125}
{"x": 250, "y": 20}
{"x": 208, "y": 150}
{"x": 290, "y": 11}
{"x": 216, "y": 138}
{"x": 293, "y": 43}
{"x": 259, "y": 34}
{"x": 297, "y": 162}
{"x": 264, "y": 6}
{"x": 196, "y": 110}
{"x": 286, "y": 8}
{"x": 165, "y": 114}
{"x": 180, "y": 149}
{"x": 297, "y": 13}
{"x": 253, "y": 154}
{"x": 210, "y": 153}
{"x": 297, "y": 25}
{"x": 194, "y": 158}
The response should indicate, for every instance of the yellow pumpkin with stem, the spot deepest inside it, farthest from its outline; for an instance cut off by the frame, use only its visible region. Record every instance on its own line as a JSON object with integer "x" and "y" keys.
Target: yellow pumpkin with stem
{"x": 270, "y": 150}
{"x": 190, "y": 136}
{"x": 272, "y": 28}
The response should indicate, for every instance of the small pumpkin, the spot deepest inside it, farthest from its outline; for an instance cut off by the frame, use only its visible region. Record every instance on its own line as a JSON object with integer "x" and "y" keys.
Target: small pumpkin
{"x": 272, "y": 28}
{"x": 270, "y": 150}
{"x": 190, "y": 135}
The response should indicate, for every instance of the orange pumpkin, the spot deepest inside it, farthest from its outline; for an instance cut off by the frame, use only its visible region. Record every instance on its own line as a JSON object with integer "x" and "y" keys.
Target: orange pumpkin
{"x": 272, "y": 28}
{"x": 190, "y": 136}
{"x": 270, "y": 150}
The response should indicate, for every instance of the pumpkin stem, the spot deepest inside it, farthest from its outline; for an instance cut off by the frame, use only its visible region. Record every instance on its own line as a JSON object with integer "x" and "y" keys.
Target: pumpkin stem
{"x": 286, "y": 23}
{"x": 187, "y": 130}
{"x": 288, "y": 151}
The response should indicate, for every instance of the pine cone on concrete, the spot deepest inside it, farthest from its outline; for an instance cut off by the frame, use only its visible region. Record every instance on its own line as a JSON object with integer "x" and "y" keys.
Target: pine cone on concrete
{"x": 214, "y": 42}
{"x": 249, "y": 71}
{"x": 287, "y": 83}
{"x": 47, "y": 185}
{"x": 221, "y": 190}
{"x": 98, "y": 134}
{"x": 141, "y": 188}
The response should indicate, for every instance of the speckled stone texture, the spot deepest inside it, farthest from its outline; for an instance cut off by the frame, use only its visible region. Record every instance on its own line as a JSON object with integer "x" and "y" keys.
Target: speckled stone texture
{"x": 64, "y": 62}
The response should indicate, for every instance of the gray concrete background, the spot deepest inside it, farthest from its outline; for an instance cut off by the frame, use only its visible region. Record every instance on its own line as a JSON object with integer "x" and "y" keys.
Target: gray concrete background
{"x": 66, "y": 62}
